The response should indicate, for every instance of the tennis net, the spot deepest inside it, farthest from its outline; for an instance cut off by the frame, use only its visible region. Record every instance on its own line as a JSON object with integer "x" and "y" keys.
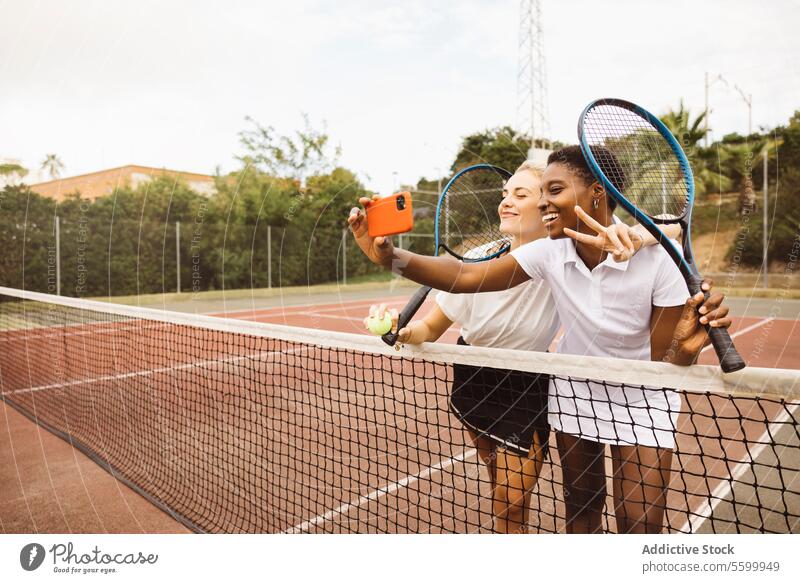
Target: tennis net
{"x": 236, "y": 426}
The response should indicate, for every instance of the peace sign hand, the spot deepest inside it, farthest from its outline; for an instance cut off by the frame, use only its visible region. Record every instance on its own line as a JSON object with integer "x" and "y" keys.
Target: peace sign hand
{"x": 621, "y": 241}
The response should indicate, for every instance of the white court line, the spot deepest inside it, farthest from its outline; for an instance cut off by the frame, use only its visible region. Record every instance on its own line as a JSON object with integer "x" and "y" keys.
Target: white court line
{"x": 749, "y": 328}
{"x": 725, "y": 487}
{"x": 110, "y": 327}
{"x": 153, "y": 371}
{"x": 382, "y": 491}
{"x": 298, "y": 308}
{"x": 282, "y": 307}
{"x": 309, "y": 316}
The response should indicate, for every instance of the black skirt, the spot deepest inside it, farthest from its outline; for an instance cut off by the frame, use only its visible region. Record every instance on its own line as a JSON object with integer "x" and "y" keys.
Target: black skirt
{"x": 507, "y": 407}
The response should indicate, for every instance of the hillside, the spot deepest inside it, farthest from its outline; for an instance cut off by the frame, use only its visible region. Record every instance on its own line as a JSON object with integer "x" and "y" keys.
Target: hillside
{"x": 716, "y": 225}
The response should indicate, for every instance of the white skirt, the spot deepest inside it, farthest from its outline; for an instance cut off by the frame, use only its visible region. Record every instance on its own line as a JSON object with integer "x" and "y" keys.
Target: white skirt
{"x": 629, "y": 415}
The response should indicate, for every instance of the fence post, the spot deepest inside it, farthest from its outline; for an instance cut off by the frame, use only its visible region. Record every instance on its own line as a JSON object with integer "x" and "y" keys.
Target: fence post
{"x": 58, "y": 255}
{"x": 344, "y": 257}
{"x": 178, "y": 255}
{"x": 765, "y": 237}
{"x": 269, "y": 256}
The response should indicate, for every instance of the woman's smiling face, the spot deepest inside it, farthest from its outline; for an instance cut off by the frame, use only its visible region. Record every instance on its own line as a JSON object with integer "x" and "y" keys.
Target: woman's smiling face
{"x": 519, "y": 214}
{"x": 562, "y": 190}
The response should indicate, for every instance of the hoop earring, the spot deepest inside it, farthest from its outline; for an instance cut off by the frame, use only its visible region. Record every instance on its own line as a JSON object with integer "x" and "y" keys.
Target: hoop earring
{"x": 595, "y": 203}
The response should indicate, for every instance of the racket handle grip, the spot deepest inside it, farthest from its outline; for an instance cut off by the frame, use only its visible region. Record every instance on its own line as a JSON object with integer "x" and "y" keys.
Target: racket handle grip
{"x": 408, "y": 312}
{"x": 729, "y": 358}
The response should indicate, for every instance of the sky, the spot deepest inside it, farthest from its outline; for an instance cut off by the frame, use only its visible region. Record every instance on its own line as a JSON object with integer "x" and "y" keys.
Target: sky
{"x": 396, "y": 85}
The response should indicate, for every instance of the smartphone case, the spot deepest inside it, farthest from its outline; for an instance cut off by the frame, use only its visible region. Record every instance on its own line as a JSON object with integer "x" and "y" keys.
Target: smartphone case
{"x": 390, "y": 215}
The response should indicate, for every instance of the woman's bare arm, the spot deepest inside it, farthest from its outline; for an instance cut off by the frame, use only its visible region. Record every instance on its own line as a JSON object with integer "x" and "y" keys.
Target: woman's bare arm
{"x": 442, "y": 272}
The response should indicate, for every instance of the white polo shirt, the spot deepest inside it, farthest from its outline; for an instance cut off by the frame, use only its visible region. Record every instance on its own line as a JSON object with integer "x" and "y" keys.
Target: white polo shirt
{"x": 606, "y": 312}
{"x": 522, "y": 318}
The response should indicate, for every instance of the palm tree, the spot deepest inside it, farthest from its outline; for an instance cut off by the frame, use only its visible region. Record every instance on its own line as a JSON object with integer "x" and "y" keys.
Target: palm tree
{"x": 739, "y": 160}
{"x": 53, "y": 165}
{"x": 690, "y": 133}
{"x": 687, "y": 131}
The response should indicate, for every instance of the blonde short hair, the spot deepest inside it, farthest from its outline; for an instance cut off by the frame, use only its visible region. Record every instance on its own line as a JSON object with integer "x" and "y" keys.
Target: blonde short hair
{"x": 530, "y": 166}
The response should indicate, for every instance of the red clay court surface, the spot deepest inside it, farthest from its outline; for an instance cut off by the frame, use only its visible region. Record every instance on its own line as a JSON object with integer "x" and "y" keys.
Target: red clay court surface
{"x": 53, "y": 488}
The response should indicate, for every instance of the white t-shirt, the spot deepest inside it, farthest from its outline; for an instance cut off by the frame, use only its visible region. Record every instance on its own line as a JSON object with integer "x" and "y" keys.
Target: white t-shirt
{"x": 522, "y": 318}
{"x": 606, "y": 312}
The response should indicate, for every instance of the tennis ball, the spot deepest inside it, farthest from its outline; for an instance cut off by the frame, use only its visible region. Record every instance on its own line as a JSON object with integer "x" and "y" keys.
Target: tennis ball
{"x": 378, "y": 326}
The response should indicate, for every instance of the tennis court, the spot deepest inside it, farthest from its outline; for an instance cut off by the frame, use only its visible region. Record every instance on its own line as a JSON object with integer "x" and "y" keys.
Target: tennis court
{"x": 240, "y": 424}
{"x": 766, "y": 340}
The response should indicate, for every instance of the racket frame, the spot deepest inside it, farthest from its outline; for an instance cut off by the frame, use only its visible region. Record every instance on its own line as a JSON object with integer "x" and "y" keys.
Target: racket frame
{"x": 442, "y": 201}
{"x": 729, "y": 358}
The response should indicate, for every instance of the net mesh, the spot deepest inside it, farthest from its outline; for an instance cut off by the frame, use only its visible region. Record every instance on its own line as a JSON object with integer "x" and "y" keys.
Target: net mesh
{"x": 637, "y": 160}
{"x": 468, "y": 213}
{"x": 235, "y": 426}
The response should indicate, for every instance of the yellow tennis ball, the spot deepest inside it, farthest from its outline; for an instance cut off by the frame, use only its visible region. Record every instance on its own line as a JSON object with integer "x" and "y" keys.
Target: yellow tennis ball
{"x": 379, "y": 326}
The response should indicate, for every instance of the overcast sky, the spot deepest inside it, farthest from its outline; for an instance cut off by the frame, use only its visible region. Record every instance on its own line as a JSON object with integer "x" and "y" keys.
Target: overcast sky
{"x": 168, "y": 84}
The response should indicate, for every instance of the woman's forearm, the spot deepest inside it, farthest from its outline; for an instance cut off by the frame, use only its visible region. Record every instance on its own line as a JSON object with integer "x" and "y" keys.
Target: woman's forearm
{"x": 673, "y": 231}
{"x": 448, "y": 274}
{"x": 418, "y": 333}
{"x": 441, "y": 272}
{"x": 681, "y": 357}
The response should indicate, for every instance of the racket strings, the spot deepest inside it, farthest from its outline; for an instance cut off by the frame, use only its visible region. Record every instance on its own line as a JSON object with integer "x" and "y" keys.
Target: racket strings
{"x": 469, "y": 227}
{"x": 638, "y": 160}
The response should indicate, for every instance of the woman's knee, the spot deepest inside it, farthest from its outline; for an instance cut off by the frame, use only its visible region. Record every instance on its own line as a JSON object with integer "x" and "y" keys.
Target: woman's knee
{"x": 581, "y": 500}
{"x": 639, "y": 519}
{"x": 510, "y": 500}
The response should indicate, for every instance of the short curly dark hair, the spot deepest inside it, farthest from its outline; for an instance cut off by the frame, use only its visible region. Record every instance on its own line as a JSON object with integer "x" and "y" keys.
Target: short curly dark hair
{"x": 572, "y": 158}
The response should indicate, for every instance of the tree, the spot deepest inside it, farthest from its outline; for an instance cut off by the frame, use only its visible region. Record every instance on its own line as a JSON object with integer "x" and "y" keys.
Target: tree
{"x": 789, "y": 149}
{"x": 26, "y": 237}
{"x": 53, "y": 165}
{"x": 784, "y": 202}
{"x": 499, "y": 146}
{"x": 705, "y": 161}
{"x": 235, "y": 243}
{"x": 687, "y": 131}
{"x": 13, "y": 171}
{"x": 739, "y": 160}
{"x": 306, "y": 153}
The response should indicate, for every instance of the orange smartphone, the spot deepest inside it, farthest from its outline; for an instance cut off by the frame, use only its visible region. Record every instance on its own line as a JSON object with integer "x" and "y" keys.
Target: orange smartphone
{"x": 390, "y": 215}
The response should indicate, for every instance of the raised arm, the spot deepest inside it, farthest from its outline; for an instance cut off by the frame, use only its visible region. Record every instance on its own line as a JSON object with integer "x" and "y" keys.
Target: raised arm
{"x": 449, "y": 274}
{"x": 442, "y": 272}
{"x": 673, "y": 231}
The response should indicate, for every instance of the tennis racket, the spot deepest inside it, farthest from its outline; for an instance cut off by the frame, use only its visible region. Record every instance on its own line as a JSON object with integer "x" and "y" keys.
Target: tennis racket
{"x": 466, "y": 226}
{"x": 642, "y": 166}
